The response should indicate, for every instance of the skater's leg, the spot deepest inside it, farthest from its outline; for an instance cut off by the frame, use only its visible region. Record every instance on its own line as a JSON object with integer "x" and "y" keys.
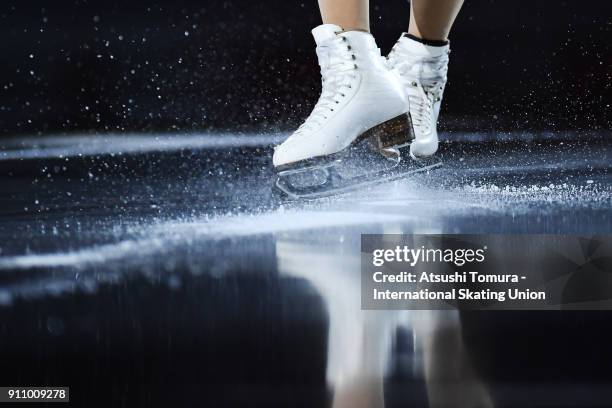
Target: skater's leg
{"x": 349, "y": 14}
{"x": 420, "y": 59}
{"x": 433, "y": 19}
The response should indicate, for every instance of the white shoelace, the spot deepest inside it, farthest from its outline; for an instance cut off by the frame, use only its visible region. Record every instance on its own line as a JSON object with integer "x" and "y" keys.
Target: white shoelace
{"x": 421, "y": 107}
{"x": 429, "y": 81}
{"x": 337, "y": 76}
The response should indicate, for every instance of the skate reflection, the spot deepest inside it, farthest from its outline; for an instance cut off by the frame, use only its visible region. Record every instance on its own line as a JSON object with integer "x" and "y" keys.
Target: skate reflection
{"x": 359, "y": 341}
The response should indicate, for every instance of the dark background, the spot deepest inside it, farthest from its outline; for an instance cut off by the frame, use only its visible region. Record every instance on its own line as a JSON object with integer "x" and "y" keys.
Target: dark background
{"x": 250, "y": 65}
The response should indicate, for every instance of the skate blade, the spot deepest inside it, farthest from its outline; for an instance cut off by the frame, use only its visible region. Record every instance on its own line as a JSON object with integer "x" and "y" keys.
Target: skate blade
{"x": 332, "y": 181}
{"x": 324, "y": 177}
{"x": 371, "y": 155}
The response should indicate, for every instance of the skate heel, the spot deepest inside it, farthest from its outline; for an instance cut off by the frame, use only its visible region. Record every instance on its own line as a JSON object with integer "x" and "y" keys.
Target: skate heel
{"x": 396, "y": 132}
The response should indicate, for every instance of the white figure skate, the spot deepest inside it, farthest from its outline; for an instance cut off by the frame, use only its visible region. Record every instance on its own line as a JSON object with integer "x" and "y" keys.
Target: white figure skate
{"x": 423, "y": 72}
{"x": 351, "y": 136}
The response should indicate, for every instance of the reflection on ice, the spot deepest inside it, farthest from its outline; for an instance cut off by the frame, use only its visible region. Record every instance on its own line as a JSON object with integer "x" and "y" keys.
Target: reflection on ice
{"x": 359, "y": 341}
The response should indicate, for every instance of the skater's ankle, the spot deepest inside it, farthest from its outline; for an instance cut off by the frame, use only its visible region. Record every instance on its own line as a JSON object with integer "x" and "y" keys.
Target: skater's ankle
{"x": 427, "y": 41}
{"x": 362, "y": 30}
{"x": 347, "y": 24}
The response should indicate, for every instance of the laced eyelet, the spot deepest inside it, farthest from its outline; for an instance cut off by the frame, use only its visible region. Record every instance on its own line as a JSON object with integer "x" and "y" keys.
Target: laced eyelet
{"x": 348, "y": 47}
{"x": 354, "y": 57}
{"x": 355, "y": 66}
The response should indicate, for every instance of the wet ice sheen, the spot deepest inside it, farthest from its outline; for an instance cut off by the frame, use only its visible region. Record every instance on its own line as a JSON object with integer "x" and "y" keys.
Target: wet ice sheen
{"x": 560, "y": 190}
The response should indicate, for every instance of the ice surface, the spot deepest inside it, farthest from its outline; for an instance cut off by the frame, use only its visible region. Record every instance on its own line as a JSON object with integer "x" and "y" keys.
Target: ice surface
{"x": 95, "y": 145}
{"x": 124, "y": 223}
{"x": 71, "y": 224}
